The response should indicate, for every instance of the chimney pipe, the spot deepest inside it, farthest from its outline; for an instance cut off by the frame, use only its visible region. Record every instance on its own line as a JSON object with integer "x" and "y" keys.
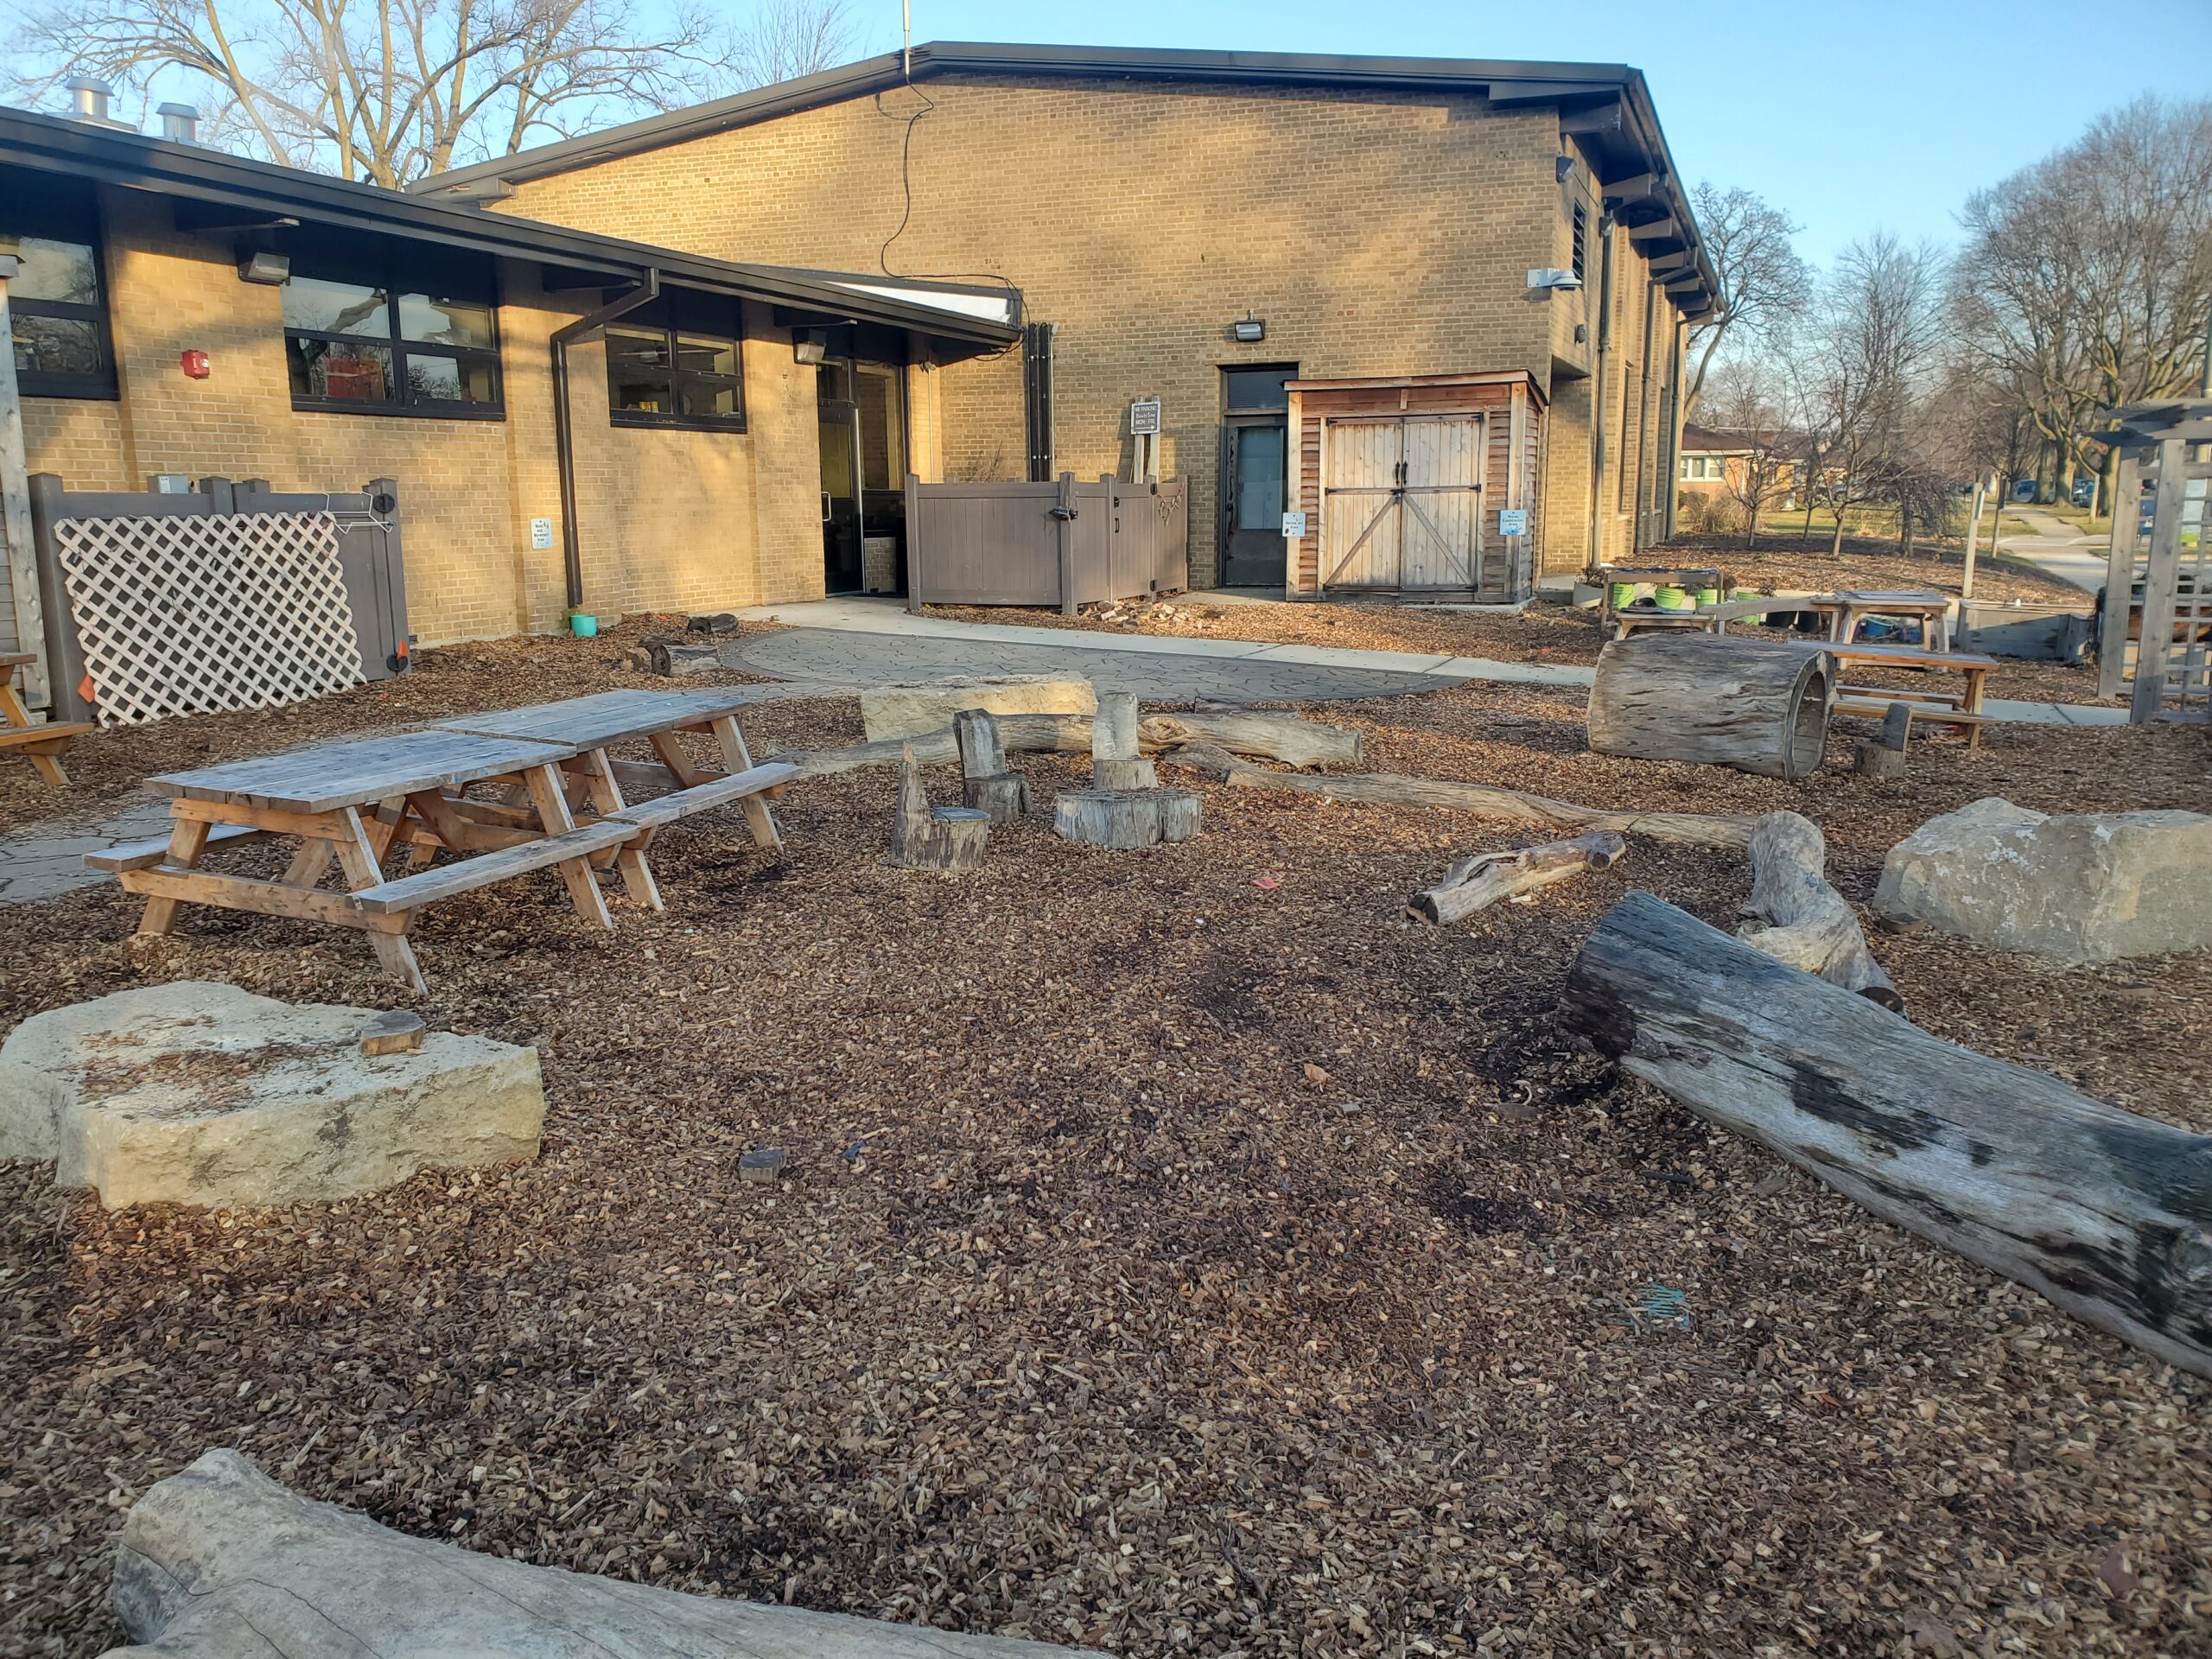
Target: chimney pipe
{"x": 92, "y": 97}
{"x": 180, "y": 124}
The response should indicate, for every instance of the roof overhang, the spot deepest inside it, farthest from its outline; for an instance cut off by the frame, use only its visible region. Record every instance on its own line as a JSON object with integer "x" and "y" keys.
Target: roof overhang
{"x": 216, "y": 193}
{"x": 1606, "y": 107}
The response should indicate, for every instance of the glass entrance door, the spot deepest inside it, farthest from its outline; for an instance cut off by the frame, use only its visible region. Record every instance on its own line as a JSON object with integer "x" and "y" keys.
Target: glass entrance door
{"x": 1252, "y": 498}
{"x": 841, "y": 496}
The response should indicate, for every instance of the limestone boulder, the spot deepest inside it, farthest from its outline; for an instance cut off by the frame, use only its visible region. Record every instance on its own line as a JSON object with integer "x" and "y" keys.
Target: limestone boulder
{"x": 204, "y": 1093}
{"x": 2075, "y": 888}
{"x": 220, "y": 1561}
{"x": 930, "y": 705}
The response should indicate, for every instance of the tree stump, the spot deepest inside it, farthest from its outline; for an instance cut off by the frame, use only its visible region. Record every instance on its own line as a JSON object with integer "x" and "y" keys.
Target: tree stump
{"x": 1884, "y": 757}
{"x": 1125, "y": 819}
{"x": 1124, "y": 774}
{"x": 1757, "y": 705}
{"x": 925, "y": 837}
{"x": 985, "y": 782}
{"x": 1114, "y": 743}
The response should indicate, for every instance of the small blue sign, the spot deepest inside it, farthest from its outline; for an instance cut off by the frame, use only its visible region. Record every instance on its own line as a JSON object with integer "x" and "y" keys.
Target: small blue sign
{"x": 1513, "y": 521}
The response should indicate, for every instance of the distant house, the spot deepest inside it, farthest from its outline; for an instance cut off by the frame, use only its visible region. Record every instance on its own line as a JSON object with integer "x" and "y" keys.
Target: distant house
{"x": 1713, "y": 461}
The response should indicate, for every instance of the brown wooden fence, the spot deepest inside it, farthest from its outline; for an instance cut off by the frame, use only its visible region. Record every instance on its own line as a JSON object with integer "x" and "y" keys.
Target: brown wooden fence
{"x": 1063, "y": 543}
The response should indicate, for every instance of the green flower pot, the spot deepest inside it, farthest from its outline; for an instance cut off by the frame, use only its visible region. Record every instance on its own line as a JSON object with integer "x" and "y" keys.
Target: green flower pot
{"x": 584, "y": 627}
{"x": 1668, "y": 597}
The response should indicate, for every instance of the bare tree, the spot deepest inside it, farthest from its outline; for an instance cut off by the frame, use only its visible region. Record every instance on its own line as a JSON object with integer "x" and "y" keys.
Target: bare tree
{"x": 1764, "y": 285}
{"x": 2087, "y": 279}
{"x": 1866, "y": 369}
{"x": 786, "y": 39}
{"x": 385, "y": 90}
{"x": 1746, "y": 406}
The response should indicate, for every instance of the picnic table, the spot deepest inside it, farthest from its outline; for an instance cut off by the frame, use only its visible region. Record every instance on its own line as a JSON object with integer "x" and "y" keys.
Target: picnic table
{"x": 42, "y": 743}
{"x": 558, "y": 800}
{"x": 1847, "y": 608}
{"x": 1961, "y": 706}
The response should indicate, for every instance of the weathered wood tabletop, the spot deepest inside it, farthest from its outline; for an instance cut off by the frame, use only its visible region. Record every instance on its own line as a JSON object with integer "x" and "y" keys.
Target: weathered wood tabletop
{"x": 362, "y": 770}
{"x": 608, "y": 717}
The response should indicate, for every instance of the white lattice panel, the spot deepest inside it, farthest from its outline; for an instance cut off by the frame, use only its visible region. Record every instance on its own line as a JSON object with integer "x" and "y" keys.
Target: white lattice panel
{"x": 197, "y": 614}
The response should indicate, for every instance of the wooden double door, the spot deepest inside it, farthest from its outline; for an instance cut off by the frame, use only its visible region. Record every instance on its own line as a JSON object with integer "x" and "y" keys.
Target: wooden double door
{"x": 1401, "y": 504}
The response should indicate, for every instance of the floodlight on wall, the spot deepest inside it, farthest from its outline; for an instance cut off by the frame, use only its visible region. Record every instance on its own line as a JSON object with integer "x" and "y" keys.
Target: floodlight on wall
{"x": 1551, "y": 277}
{"x": 1249, "y": 330}
{"x": 811, "y": 346}
{"x": 270, "y": 269}
{"x": 1562, "y": 168}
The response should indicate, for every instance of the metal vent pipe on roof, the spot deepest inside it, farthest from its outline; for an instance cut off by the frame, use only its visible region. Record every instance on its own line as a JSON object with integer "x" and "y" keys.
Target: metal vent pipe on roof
{"x": 180, "y": 123}
{"x": 91, "y": 97}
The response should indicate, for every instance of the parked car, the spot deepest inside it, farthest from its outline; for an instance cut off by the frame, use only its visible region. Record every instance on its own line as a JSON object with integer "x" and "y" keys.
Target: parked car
{"x": 2084, "y": 492}
{"x": 2023, "y": 489}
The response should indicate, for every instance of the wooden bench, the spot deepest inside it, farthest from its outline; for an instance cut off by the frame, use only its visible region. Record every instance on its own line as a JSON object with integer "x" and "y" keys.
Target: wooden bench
{"x": 145, "y": 854}
{"x": 408, "y": 893}
{"x": 764, "y": 779}
{"x": 43, "y": 744}
{"x": 1923, "y": 708}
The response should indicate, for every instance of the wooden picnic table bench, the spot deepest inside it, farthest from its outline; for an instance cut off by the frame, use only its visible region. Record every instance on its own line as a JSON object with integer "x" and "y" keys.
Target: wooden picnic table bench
{"x": 41, "y": 742}
{"x": 560, "y": 804}
{"x": 1963, "y": 706}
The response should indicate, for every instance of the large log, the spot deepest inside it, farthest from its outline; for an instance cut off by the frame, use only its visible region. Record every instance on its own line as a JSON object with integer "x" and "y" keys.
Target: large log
{"x": 2108, "y": 1214}
{"x": 1797, "y": 918}
{"x": 1758, "y": 705}
{"x": 221, "y": 1561}
{"x": 1484, "y": 800}
{"x": 1477, "y": 883}
{"x": 1271, "y": 737}
{"x": 1125, "y": 818}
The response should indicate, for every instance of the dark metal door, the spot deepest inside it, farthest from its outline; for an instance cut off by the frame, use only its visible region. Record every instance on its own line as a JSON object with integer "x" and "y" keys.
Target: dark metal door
{"x": 1253, "y": 457}
{"x": 840, "y": 497}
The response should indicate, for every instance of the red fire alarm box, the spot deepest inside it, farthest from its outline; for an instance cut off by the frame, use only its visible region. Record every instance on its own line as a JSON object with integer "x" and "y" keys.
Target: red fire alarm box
{"x": 195, "y": 364}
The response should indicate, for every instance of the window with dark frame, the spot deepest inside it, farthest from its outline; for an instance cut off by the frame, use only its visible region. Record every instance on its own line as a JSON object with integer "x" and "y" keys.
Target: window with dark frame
{"x": 375, "y": 348}
{"x": 1581, "y": 237}
{"x": 1257, "y": 390}
{"x": 671, "y": 375}
{"x": 57, "y": 319}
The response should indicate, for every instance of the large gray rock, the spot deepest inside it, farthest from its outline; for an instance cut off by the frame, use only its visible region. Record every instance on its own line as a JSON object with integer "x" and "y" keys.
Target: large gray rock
{"x": 2080, "y": 887}
{"x": 930, "y": 705}
{"x": 202, "y": 1093}
{"x": 220, "y": 1561}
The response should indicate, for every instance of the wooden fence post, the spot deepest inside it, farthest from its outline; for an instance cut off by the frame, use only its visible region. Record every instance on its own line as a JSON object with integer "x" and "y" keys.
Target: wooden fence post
{"x": 2161, "y": 583}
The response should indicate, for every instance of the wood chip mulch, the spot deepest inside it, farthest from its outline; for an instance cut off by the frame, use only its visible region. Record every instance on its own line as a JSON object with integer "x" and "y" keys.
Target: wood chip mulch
{"x": 1166, "y": 1261}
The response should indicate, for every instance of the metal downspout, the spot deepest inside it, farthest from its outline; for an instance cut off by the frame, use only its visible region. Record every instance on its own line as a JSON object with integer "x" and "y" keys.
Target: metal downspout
{"x": 564, "y": 452}
{"x": 1598, "y": 392}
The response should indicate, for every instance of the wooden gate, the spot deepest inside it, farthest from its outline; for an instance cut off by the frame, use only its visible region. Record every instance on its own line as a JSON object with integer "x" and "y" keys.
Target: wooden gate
{"x": 1402, "y": 503}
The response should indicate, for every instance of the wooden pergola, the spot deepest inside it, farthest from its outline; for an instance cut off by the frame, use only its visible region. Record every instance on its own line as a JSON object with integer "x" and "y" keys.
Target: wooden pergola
{"x": 2155, "y": 635}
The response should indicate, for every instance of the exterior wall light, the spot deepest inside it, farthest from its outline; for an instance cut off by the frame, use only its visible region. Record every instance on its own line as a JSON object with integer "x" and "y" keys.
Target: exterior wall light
{"x": 270, "y": 269}
{"x": 810, "y": 347}
{"x": 1250, "y": 331}
{"x": 1551, "y": 276}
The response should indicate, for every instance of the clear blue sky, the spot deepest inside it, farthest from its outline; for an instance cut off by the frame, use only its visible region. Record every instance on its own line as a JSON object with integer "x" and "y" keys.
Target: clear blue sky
{"x": 1852, "y": 114}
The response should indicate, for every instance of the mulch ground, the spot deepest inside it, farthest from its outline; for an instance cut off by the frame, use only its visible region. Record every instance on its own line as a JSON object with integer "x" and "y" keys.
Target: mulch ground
{"x": 1167, "y": 1262}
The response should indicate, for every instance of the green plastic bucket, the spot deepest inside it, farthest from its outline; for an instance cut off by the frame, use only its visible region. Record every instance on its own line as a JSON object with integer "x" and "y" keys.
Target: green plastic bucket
{"x": 1708, "y": 596}
{"x": 584, "y": 627}
{"x": 1620, "y": 594}
{"x": 1748, "y": 592}
{"x": 1668, "y": 597}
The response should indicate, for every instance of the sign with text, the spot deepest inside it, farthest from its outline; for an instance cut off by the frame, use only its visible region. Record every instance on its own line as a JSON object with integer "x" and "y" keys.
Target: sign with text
{"x": 1513, "y": 521}
{"x": 1144, "y": 418}
{"x": 1294, "y": 525}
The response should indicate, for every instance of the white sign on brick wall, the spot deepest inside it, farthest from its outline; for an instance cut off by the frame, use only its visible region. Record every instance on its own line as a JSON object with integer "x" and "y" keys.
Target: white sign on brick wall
{"x": 1144, "y": 418}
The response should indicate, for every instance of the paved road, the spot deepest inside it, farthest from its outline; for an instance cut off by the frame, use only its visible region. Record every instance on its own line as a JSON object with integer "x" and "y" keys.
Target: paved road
{"x": 2049, "y": 544}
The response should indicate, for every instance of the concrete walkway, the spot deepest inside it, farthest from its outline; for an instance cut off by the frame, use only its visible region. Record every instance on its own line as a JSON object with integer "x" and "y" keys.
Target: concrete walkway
{"x": 874, "y": 642}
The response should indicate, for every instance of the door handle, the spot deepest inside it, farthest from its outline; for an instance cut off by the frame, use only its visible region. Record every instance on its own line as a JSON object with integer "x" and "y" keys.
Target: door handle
{"x": 825, "y": 506}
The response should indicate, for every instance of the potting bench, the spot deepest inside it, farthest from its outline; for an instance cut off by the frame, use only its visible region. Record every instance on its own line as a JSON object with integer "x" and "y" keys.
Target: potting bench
{"x": 347, "y": 803}
{"x": 1845, "y": 610}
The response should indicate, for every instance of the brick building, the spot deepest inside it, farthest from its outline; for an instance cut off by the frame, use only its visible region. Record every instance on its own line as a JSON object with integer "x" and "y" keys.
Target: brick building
{"x": 1400, "y": 221}
{"x": 177, "y": 310}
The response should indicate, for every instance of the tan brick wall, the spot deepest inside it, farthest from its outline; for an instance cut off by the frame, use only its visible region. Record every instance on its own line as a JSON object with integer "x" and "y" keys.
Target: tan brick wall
{"x": 669, "y": 520}
{"x": 1377, "y": 233}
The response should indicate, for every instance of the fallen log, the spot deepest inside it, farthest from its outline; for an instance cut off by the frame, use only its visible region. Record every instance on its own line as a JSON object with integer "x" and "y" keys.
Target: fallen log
{"x": 1270, "y": 737}
{"x": 1797, "y": 918}
{"x": 2108, "y": 1214}
{"x": 1477, "y": 883}
{"x": 220, "y": 1561}
{"x": 1757, "y": 705}
{"x": 1484, "y": 800}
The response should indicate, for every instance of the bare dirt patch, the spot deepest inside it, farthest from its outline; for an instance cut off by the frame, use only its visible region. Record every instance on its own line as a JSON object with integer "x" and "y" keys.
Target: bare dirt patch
{"x": 1166, "y": 1262}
